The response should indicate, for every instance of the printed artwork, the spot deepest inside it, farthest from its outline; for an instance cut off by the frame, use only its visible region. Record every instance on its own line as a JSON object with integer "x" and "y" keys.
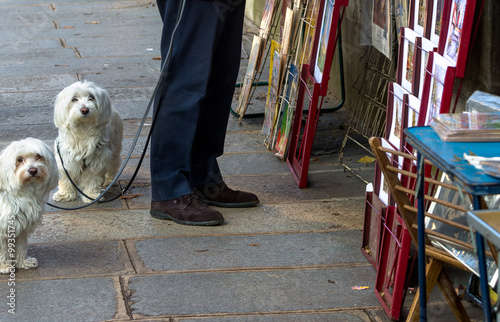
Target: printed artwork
{"x": 409, "y": 62}
{"x": 381, "y": 27}
{"x": 457, "y": 15}
{"x": 249, "y": 76}
{"x": 288, "y": 112}
{"x": 436, "y": 92}
{"x": 276, "y": 69}
{"x": 323, "y": 40}
{"x": 422, "y": 9}
{"x": 439, "y": 17}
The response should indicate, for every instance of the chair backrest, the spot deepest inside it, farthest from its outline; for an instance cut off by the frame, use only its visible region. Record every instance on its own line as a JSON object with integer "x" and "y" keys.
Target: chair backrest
{"x": 446, "y": 228}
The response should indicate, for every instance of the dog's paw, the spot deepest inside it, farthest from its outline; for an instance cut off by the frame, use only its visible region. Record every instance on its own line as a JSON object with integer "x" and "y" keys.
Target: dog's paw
{"x": 6, "y": 268}
{"x": 107, "y": 181}
{"x": 29, "y": 262}
{"x": 93, "y": 196}
{"x": 63, "y": 196}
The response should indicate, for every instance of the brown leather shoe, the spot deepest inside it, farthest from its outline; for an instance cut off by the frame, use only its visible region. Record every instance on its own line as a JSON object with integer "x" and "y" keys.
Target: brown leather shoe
{"x": 222, "y": 196}
{"x": 186, "y": 210}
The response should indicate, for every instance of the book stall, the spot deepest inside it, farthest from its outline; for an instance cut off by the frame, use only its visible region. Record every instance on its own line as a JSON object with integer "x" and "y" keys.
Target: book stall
{"x": 432, "y": 54}
{"x": 300, "y": 57}
{"x": 421, "y": 49}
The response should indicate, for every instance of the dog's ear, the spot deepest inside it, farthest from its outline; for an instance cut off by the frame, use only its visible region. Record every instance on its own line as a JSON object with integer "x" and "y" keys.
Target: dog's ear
{"x": 61, "y": 102}
{"x": 49, "y": 157}
{"x": 103, "y": 104}
{"x": 8, "y": 178}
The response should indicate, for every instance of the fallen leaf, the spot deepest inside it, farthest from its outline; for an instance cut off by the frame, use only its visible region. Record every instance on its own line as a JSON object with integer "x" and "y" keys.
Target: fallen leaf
{"x": 131, "y": 196}
{"x": 254, "y": 244}
{"x": 201, "y": 250}
{"x": 68, "y": 27}
{"x": 157, "y": 58}
{"x": 330, "y": 281}
{"x": 93, "y": 22}
{"x": 366, "y": 159}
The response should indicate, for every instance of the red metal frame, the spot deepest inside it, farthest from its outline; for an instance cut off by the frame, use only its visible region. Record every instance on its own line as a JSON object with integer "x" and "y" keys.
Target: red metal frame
{"x": 375, "y": 211}
{"x": 302, "y": 139}
{"x": 393, "y": 264}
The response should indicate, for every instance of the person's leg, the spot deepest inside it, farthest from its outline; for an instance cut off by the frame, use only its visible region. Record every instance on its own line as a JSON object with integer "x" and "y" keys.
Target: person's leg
{"x": 186, "y": 87}
{"x": 212, "y": 123}
{"x": 206, "y": 177}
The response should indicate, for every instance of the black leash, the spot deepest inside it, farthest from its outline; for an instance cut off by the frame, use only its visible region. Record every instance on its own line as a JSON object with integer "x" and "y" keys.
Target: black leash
{"x": 160, "y": 85}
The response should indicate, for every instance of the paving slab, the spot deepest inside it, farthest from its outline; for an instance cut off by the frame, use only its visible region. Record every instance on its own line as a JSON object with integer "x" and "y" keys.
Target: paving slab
{"x": 346, "y": 316}
{"x": 279, "y": 188}
{"x": 65, "y": 62}
{"x": 109, "y": 202}
{"x": 102, "y": 224}
{"x": 225, "y": 252}
{"x": 88, "y": 299}
{"x": 243, "y": 292}
{"x": 70, "y": 260}
{"x": 12, "y": 84}
{"x": 143, "y": 78}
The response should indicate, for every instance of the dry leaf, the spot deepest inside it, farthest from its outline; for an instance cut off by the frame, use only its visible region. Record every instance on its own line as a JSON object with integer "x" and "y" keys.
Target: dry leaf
{"x": 93, "y": 22}
{"x": 366, "y": 159}
{"x": 131, "y": 196}
{"x": 201, "y": 250}
{"x": 68, "y": 27}
{"x": 254, "y": 244}
{"x": 157, "y": 58}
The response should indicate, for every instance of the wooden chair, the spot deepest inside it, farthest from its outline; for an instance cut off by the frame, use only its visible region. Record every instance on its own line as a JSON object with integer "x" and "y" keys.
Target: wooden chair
{"x": 404, "y": 197}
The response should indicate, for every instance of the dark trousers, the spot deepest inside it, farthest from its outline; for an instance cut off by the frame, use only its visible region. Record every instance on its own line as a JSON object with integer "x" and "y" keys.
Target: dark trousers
{"x": 191, "y": 124}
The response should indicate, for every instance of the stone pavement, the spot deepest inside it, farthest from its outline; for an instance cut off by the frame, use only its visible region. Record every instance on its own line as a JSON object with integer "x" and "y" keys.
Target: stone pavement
{"x": 295, "y": 257}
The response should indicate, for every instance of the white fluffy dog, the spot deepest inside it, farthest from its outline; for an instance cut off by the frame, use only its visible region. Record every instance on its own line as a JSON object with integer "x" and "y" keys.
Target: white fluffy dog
{"x": 28, "y": 173}
{"x": 89, "y": 140}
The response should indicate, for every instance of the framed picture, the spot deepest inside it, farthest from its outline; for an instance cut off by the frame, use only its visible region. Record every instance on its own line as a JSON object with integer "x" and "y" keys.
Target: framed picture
{"x": 275, "y": 79}
{"x": 288, "y": 104}
{"x": 307, "y": 32}
{"x": 253, "y": 62}
{"x": 423, "y": 47}
{"x": 373, "y": 222}
{"x": 394, "y": 122}
{"x": 380, "y": 187}
{"x": 434, "y": 23}
{"x": 381, "y": 27}
{"x": 325, "y": 42}
{"x": 458, "y": 16}
{"x": 438, "y": 88}
{"x": 406, "y": 59}
{"x": 411, "y": 111}
{"x": 324, "y": 35}
{"x": 267, "y": 16}
{"x": 418, "y": 16}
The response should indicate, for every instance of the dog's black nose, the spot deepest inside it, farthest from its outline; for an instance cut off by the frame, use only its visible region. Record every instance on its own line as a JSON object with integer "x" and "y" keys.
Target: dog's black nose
{"x": 33, "y": 171}
{"x": 84, "y": 110}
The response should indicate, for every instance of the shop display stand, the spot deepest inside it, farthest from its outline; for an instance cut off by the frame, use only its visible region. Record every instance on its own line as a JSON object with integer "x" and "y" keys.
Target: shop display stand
{"x": 313, "y": 86}
{"x": 368, "y": 113}
{"x": 262, "y": 64}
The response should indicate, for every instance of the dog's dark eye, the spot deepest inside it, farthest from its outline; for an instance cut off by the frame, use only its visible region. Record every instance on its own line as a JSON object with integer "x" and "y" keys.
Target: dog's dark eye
{"x": 38, "y": 157}
{"x": 74, "y": 99}
{"x": 91, "y": 97}
{"x": 20, "y": 159}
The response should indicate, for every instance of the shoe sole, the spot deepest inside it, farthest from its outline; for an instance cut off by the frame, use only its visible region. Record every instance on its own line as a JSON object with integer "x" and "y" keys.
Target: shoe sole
{"x": 163, "y": 216}
{"x": 231, "y": 205}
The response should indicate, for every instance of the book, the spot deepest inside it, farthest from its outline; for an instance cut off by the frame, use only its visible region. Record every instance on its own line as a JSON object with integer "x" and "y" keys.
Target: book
{"x": 467, "y": 127}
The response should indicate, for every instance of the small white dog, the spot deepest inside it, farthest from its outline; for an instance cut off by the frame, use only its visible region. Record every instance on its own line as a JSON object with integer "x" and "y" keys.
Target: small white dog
{"x": 89, "y": 140}
{"x": 28, "y": 173}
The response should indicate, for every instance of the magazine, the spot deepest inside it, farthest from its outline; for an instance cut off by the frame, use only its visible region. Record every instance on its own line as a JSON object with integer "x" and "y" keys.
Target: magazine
{"x": 467, "y": 127}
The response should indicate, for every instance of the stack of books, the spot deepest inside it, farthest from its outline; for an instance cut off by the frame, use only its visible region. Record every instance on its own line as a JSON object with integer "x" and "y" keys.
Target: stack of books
{"x": 467, "y": 127}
